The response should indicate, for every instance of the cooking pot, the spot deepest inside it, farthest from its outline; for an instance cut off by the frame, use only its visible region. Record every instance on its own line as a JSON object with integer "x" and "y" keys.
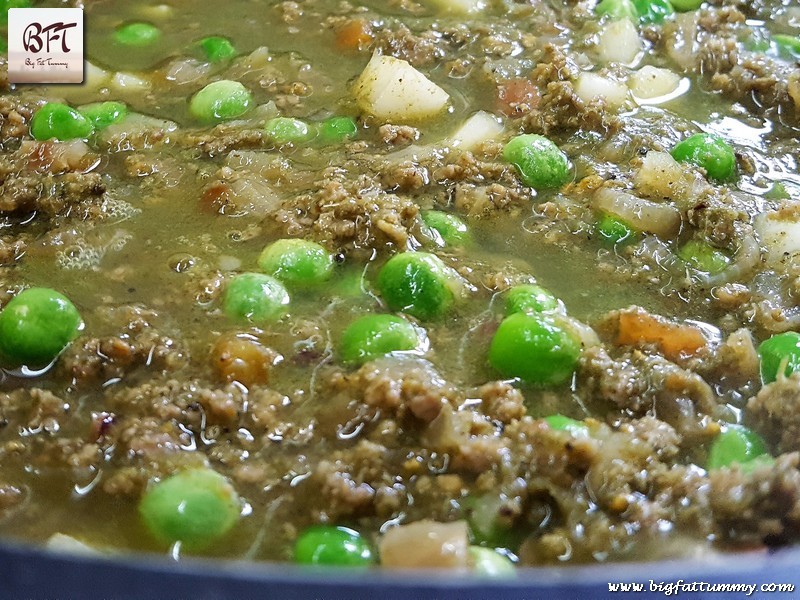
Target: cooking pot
{"x": 30, "y": 572}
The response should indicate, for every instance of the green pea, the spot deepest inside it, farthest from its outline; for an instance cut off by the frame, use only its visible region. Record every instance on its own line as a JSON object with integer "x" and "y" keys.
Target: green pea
{"x": 540, "y": 163}
{"x": 221, "y": 101}
{"x": 780, "y": 356}
{"x": 327, "y": 545}
{"x": 685, "y": 5}
{"x": 790, "y": 44}
{"x": 297, "y": 262}
{"x": 373, "y": 336}
{"x": 195, "y": 507}
{"x": 703, "y": 257}
{"x": 613, "y": 231}
{"x": 452, "y": 230}
{"x": 255, "y": 297}
{"x": 337, "y": 130}
{"x": 710, "y": 152}
{"x": 653, "y": 12}
{"x": 56, "y": 120}
{"x": 103, "y": 114}
{"x": 36, "y": 325}
{"x": 617, "y": 9}
{"x": 417, "y": 283}
{"x": 283, "y": 130}
{"x": 487, "y": 562}
{"x": 562, "y": 423}
{"x": 217, "y": 48}
{"x": 736, "y": 444}
{"x": 765, "y": 460}
{"x": 530, "y": 298}
{"x": 136, "y": 34}
{"x": 534, "y": 348}
{"x": 6, "y": 4}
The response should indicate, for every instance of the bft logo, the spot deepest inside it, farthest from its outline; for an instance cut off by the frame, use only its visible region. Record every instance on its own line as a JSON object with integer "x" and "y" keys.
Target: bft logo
{"x": 45, "y": 45}
{"x": 33, "y": 42}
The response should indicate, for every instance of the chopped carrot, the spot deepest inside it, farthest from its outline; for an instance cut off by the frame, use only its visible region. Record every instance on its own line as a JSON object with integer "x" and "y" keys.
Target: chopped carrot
{"x": 354, "y": 35}
{"x": 676, "y": 340}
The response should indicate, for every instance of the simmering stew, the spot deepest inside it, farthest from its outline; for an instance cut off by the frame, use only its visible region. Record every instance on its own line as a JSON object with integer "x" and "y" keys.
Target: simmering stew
{"x": 469, "y": 284}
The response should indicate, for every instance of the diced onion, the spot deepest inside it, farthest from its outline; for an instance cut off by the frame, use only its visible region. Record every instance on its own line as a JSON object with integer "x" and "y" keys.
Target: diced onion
{"x": 779, "y": 232}
{"x": 157, "y": 12}
{"x": 425, "y": 545}
{"x": 135, "y": 126}
{"x": 619, "y": 42}
{"x": 94, "y": 78}
{"x": 479, "y": 128}
{"x": 662, "y": 219}
{"x": 129, "y": 82}
{"x": 252, "y": 195}
{"x": 652, "y": 82}
{"x": 591, "y": 86}
{"x": 186, "y": 70}
{"x": 681, "y": 36}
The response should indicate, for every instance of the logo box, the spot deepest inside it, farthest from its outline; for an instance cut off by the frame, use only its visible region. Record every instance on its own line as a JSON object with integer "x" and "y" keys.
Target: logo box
{"x": 45, "y": 45}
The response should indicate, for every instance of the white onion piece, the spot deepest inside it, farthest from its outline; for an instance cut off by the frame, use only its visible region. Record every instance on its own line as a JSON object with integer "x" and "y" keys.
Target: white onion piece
{"x": 129, "y": 82}
{"x": 662, "y": 219}
{"x": 478, "y": 129}
{"x": 252, "y": 195}
{"x": 69, "y": 155}
{"x": 186, "y": 70}
{"x": 651, "y": 82}
{"x": 425, "y": 545}
{"x": 257, "y": 59}
{"x": 157, "y": 12}
{"x": 684, "y": 85}
{"x": 94, "y": 78}
{"x": 681, "y": 36}
{"x": 136, "y": 126}
{"x": 779, "y": 232}
{"x": 619, "y": 42}
{"x": 587, "y": 336}
{"x": 591, "y": 86}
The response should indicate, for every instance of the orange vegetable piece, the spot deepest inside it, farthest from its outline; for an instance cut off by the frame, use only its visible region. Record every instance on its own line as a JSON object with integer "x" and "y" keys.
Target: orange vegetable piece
{"x": 215, "y": 197}
{"x": 676, "y": 340}
{"x": 516, "y": 96}
{"x": 242, "y": 358}
{"x": 354, "y": 35}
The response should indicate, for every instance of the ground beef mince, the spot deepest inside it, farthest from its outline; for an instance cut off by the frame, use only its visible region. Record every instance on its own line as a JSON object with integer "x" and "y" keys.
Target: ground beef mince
{"x": 518, "y": 276}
